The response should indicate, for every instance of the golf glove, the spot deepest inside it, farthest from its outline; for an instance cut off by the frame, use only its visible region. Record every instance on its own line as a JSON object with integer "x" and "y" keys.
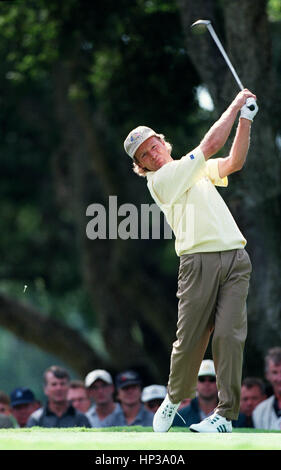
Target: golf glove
{"x": 248, "y": 113}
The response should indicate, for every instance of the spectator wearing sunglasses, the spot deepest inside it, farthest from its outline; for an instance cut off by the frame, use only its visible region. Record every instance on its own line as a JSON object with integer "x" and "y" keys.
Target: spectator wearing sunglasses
{"x": 152, "y": 396}
{"x": 206, "y": 398}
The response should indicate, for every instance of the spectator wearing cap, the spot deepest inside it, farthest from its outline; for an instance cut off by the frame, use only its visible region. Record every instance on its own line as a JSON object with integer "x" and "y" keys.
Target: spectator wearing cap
{"x": 152, "y": 396}
{"x": 57, "y": 412}
{"x": 129, "y": 389}
{"x": 78, "y": 397}
{"x": 23, "y": 404}
{"x": 100, "y": 389}
{"x": 206, "y": 400}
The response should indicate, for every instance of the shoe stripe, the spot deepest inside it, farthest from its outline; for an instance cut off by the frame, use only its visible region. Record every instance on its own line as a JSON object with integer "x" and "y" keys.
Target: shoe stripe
{"x": 221, "y": 428}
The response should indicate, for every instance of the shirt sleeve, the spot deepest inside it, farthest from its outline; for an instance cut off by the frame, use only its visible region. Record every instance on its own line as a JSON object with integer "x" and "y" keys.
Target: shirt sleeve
{"x": 173, "y": 179}
{"x": 212, "y": 166}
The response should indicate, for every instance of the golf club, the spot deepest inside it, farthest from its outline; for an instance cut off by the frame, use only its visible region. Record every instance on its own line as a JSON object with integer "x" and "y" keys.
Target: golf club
{"x": 211, "y": 30}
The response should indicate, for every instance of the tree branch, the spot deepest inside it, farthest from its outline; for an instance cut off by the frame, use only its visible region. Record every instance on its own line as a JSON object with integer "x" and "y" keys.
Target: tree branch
{"x": 49, "y": 334}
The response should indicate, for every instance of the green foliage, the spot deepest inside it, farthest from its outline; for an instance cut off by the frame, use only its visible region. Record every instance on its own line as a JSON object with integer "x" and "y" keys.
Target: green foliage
{"x": 32, "y": 30}
{"x": 274, "y": 10}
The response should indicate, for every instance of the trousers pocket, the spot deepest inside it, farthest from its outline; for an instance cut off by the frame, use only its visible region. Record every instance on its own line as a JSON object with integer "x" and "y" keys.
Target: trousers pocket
{"x": 185, "y": 268}
{"x": 243, "y": 257}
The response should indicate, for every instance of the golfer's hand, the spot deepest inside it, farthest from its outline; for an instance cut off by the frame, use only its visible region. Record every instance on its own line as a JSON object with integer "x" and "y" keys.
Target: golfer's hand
{"x": 242, "y": 97}
{"x": 250, "y": 109}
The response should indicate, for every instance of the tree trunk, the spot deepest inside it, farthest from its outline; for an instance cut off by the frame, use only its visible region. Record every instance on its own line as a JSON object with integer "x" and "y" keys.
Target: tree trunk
{"x": 125, "y": 298}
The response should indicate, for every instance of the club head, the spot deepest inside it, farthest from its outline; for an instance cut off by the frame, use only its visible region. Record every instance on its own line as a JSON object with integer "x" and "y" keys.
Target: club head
{"x": 201, "y": 22}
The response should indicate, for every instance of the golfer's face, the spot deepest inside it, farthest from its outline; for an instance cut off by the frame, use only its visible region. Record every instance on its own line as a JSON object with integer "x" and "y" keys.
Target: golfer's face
{"x": 152, "y": 154}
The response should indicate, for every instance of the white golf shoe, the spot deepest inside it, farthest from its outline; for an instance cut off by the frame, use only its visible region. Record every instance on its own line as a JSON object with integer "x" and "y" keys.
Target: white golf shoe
{"x": 164, "y": 416}
{"x": 213, "y": 423}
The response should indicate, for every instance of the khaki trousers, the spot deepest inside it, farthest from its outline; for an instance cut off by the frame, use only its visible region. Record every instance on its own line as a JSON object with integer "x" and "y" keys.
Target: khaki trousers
{"x": 212, "y": 293}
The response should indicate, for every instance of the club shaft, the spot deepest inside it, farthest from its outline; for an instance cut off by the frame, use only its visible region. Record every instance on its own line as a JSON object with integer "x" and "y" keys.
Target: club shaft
{"x": 224, "y": 54}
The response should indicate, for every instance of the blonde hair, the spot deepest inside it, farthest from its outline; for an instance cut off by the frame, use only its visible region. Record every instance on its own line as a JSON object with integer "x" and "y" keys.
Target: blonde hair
{"x": 141, "y": 171}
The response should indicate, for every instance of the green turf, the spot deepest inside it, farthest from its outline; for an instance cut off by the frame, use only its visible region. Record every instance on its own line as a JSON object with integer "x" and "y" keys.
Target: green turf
{"x": 135, "y": 438}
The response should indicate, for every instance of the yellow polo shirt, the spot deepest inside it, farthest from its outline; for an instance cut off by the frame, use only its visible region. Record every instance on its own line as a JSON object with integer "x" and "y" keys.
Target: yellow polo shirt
{"x": 185, "y": 191}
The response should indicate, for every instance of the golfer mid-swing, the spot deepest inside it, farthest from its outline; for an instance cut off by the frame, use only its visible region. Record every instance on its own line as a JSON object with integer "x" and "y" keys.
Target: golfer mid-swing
{"x": 214, "y": 269}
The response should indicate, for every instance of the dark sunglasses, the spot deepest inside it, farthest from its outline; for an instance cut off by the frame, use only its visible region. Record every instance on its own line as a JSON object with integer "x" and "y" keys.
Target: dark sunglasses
{"x": 152, "y": 403}
{"x": 207, "y": 378}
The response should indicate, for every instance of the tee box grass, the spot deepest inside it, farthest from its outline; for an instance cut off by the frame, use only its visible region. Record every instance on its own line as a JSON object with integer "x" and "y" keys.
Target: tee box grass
{"x": 135, "y": 438}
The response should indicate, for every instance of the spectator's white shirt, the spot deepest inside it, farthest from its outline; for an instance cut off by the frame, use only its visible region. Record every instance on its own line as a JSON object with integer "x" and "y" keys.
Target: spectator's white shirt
{"x": 264, "y": 415}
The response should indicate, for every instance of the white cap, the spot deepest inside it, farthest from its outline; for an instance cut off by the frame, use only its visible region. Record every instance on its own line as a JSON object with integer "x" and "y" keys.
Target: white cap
{"x": 136, "y": 137}
{"x": 98, "y": 374}
{"x": 153, "y": 392}
{"x": 207, "y": 368}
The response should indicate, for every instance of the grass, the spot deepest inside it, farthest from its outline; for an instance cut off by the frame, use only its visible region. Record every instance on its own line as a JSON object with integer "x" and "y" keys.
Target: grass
{"x": 135, "y": 438}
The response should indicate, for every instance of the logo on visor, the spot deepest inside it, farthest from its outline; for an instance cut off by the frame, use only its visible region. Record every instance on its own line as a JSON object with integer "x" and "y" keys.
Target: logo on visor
{"x": 135, "y": 136}
{"x": 191, "y": 157}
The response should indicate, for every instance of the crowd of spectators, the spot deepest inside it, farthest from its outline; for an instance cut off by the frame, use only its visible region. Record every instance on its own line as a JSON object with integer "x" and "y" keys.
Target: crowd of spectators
{"x": 99, "y": 401}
